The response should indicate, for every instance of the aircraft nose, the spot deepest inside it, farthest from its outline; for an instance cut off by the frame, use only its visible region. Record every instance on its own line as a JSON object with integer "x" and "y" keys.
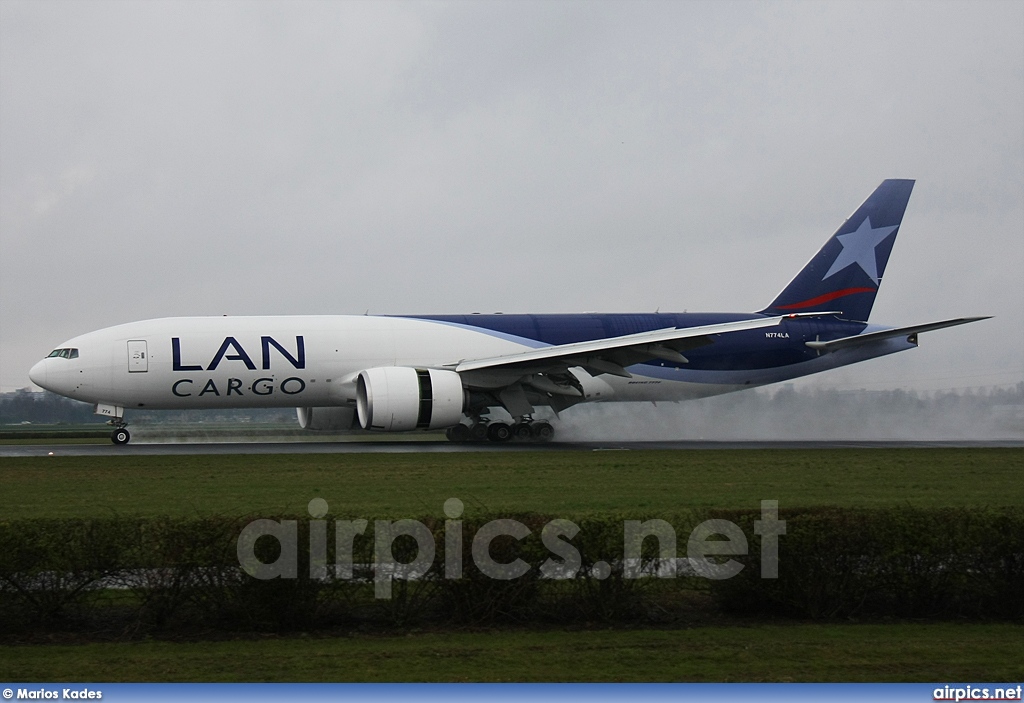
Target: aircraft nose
{"x": 38, "y": 374}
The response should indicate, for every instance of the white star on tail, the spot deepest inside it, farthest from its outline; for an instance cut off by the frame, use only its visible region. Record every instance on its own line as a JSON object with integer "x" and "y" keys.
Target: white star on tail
{"x": 859, "y": 248}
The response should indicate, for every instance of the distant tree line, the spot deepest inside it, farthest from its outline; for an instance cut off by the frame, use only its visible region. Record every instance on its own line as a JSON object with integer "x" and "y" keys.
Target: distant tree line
{"x": 45, "y": 408}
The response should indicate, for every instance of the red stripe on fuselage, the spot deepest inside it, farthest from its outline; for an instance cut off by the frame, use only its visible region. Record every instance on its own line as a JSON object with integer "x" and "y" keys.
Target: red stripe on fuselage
{"x": 826, "y": 298}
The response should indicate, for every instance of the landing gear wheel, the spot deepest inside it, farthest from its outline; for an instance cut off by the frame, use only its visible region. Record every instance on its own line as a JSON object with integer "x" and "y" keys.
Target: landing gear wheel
{"x": 543, "y": 431}
{"x": 120, "y": 436}
{"x": 499, "y": 432}
{"x": 458, "y": 433}
{"x": 522, "y": 431}
{"x": 478, "y": 432}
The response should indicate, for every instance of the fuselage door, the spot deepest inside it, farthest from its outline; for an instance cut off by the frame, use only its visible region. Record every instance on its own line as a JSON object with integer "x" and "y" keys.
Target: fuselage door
{"x": 138, "y": 356}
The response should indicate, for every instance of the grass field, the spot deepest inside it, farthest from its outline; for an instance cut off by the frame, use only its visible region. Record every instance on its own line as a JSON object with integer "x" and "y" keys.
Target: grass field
{"x": 765, "y": 652}
{"x": 563, "y": 483}
{"x": 629, "y": 483}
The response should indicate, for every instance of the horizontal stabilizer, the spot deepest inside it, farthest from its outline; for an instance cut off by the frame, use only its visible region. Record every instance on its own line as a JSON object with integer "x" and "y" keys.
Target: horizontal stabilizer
{"x": 907, "y": 332}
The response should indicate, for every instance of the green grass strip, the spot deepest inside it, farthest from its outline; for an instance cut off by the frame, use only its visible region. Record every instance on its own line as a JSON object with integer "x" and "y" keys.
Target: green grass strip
{"x": 570, "y": 483}
{"x": 850, "y": 652}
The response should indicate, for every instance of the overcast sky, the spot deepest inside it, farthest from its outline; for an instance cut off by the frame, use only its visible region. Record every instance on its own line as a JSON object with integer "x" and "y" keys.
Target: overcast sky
{"x": 207, "y": 158}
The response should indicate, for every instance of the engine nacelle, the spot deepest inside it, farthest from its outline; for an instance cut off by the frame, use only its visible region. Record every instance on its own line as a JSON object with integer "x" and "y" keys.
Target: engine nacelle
{"x": 399, "y": 398}
{"x": 327, "y": 419}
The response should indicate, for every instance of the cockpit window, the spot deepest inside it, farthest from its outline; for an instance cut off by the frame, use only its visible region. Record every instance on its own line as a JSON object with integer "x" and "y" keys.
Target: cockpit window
{"x": 64, "y": 353}
{"x": 73, "y": 353}
{"x": 55, "y": 352}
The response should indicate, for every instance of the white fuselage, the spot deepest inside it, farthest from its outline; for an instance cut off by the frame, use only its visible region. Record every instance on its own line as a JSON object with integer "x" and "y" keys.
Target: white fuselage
{"x": 310, "y": 361}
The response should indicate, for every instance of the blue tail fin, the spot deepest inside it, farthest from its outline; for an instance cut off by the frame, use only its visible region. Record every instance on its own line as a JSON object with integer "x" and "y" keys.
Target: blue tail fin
{"x": 845, "y": 275}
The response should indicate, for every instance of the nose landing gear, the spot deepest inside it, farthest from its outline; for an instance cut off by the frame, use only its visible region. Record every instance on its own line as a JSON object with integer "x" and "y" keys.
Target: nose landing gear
{"x": 120, "y": 435}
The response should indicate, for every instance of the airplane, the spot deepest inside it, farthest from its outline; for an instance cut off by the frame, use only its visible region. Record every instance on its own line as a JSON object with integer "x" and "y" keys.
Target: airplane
{"x": 483, "y": 377}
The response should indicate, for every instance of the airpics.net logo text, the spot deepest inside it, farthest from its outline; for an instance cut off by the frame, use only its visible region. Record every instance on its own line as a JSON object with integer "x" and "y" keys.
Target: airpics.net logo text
{"x": 710, "y": 547}
{"x": 977, "y": 693}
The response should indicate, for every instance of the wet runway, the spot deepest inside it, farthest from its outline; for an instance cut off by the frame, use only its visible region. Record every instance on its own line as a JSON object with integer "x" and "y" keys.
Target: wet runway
{"x": 407, "y": 447}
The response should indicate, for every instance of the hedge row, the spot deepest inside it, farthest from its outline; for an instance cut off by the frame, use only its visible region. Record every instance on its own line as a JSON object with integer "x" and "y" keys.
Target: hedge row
{"x": 172, "y": 574}
{"x": 911, "y": 563}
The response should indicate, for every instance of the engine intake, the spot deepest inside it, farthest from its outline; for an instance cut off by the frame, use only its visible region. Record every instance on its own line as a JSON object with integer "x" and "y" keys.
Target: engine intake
{"x": 400, "y": 398}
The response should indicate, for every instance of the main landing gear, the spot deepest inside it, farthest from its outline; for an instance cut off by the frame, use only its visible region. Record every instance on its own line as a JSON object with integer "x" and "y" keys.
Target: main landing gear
{"x": 524, "y": 430}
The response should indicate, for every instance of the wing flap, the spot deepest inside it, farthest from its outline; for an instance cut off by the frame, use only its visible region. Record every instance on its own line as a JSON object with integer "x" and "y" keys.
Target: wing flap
{"x": 654, "y": 344}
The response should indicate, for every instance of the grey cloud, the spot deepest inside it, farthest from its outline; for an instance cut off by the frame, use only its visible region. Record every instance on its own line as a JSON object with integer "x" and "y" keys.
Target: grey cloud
{"x": 183, "y": 158}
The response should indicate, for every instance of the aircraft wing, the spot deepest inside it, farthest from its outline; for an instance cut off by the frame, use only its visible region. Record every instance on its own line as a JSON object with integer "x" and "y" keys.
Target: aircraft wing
{"x": 908, "y": 332}
{"x": 613, "y": 354}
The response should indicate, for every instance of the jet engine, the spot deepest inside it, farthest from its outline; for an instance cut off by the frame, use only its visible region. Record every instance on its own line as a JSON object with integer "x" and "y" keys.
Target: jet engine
{"x": 327, "y": 419}
{"x": 398, "y": 398}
